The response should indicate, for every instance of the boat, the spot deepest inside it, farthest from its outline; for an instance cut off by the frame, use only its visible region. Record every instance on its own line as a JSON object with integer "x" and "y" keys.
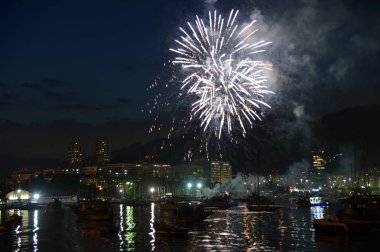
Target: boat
{"x": 311, "y": 200}
{"x": 331, "y": 225}
{"x": 256, "y": 199}
{"x": 95, "y": 218}
{"x": 184, "y": 213}
{"x": 54, "y": 207}
{"x": 220, "y": 201}
{"x": 257, "y": 203}
{"x": 363, "y": 207}
{"x": 10, "y": 223}
{"x": 95, "y": 210}
{"x": 360, "y": 215}
{"x": 177, "y": 217}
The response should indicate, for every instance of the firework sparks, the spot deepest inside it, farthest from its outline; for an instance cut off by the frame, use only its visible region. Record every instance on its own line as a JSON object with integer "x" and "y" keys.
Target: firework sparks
{"x": 224, "y": 79}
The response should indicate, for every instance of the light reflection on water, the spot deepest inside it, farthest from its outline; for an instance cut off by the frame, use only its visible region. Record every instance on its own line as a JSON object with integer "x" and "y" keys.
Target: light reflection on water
{"x": 151, "y": 223}
{"x": 235, "y": 229}
{"x": 35, "y": 225}
{"x": 317, "y": 212}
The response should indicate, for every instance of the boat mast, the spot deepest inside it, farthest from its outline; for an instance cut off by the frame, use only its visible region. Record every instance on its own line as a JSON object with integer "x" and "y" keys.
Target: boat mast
{"x": 258, "y": 172}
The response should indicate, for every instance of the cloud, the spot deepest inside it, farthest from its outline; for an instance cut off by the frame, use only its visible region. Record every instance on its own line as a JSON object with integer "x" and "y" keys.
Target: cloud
{"x": 32, "y": 85}
{"x": 52, "y": 139}
{"x": 43, "y": 84}
{"x": 125, "y": 100}
{"x": 51, "y": 82}
{"x": 10, "y": 99}
{"x": 67, "y": 96}
{"x": 3, "y": 85}
{"x": 81, "y": 107}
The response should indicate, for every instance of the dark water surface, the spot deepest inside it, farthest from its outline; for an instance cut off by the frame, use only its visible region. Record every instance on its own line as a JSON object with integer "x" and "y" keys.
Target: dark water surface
{"x": 235, "y": 229}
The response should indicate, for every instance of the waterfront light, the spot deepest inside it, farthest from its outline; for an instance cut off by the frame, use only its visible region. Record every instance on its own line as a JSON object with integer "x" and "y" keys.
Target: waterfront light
{"x": 199, "y": 185}
{"x": 189, "y": 185}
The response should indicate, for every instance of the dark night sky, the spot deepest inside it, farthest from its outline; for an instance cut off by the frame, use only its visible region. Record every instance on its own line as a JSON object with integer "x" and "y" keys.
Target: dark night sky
{"x": 79, "y": 69}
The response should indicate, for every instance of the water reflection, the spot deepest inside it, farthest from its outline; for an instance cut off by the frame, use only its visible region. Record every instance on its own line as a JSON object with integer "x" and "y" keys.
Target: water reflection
{"x": 127, "y": 224}
{"x": 129, "y": 232}
{"x": 35, "y": 225}
{"x": 151, "y": 223}
{"x": 121, "y": 226}
{"x": 317, "y": 212}
{"x": 234, "y": 229}
{"x": 255, "y": 226}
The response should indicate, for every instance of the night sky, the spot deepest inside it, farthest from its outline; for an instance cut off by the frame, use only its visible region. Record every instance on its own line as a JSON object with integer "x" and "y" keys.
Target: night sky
{"x": 79, "y": 70}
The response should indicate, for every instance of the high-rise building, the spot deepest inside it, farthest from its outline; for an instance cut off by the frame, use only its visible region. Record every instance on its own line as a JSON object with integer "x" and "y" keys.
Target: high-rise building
{"x": 74, "y": 154}
{"x": 220, "y": 172}
{"x": 319, "y": 161}
{"x": 102, "y": 152}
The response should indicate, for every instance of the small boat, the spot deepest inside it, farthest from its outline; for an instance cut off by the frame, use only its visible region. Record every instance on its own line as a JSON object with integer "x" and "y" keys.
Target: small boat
{"x": 360, "y": 215}
{"x": 223, "y": 200}
{"x": 14, "y": 220}
{"x": 309, "y": 201}
{"x": 95, "y": 211}
{"x": 362, "y": 207}
{"x": 331, "y": 225}
{"x": 10, "y": 222}
{"x": 95, "y": 218}
{"x": 54, "y": 207}
{"x": 257, "y": 203}
{"x": 183, "y": 214}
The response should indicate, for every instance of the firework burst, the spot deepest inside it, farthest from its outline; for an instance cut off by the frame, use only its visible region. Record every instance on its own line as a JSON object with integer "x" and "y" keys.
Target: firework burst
{"x": 223, "y": 79}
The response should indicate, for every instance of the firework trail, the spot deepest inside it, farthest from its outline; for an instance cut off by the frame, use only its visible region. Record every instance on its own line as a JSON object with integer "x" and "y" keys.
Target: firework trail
{"x": 224, "y": 79}
{"x": 213, "y": 89}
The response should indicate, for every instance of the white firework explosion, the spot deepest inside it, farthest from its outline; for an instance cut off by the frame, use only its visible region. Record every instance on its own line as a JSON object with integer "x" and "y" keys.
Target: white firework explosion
{"x": 224, "y": 78}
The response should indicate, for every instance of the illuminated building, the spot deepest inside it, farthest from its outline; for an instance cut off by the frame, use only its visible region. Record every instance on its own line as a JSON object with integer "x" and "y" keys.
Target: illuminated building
{"x": 23, "y": 175}
{"x": 102, "y": 152}
{"x": 74, "y": 154}
{"x": 128, "y": 170}
{"x": 18, "y": 196}
{"x": 89, "y": 170}
{"x": 220, "y": 172}
{"x": 319, "y": 161}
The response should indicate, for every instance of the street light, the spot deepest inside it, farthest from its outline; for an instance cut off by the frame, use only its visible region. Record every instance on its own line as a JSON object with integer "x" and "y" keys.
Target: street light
{"x": 199, "y": 185}
{"x": 152, "y": 191}
{"x": 189, "y": 185}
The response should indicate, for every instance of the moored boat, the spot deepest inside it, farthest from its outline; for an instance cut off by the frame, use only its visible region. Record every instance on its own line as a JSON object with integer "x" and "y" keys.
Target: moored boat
{"x": 263, "y": 208}
{"x": 54, "y": 207}
{"x": 309, "y": 201}
{"x": 257, "y": 203}
{"x": 360, "y": 215}
{"x": 331, "y": 225}
{"x": 95, "y": 210}
{"x": 223, "y": 201}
